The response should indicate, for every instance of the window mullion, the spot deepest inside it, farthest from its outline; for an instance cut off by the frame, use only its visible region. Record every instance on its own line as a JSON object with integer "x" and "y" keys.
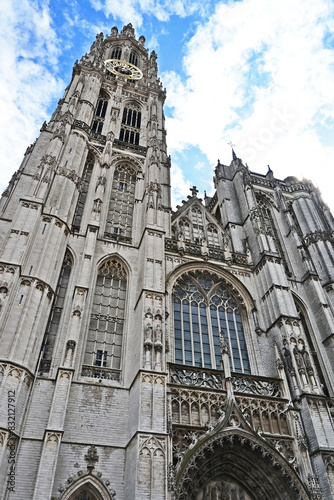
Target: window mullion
{"x": 229, "y": 341}
{"x": 200, "y": 333}
{"x": 182, "y": 335}
{"x": 210, "y": 333}
{"x": 238, "y": 342}
{"x": 191, "y": 333}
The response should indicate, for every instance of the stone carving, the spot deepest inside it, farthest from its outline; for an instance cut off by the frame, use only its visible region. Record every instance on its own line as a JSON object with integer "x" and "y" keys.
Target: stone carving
{"x": 91, "y": 458}
{"x": 152, "y": 444}
{"x": 112, "y": 268}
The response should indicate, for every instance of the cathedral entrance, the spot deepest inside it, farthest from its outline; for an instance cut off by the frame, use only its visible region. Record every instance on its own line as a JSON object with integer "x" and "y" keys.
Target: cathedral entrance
{"x": 234, "y": 466}
{"x": 223, "y": 489}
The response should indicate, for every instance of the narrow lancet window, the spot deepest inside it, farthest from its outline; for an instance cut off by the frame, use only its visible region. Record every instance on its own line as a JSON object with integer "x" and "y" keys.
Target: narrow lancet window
{"x": 55, "y": 315}
{"x": 105, "y": 335}
{"x": 121, "y": 204}
{"x": 86, "y": 176}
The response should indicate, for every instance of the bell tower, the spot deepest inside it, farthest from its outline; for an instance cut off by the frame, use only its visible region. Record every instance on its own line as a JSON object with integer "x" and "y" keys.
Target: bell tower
{"x": 83, "y": 223}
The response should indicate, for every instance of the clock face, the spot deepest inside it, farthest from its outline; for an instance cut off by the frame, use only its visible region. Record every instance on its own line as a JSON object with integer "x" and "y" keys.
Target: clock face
{"x": 123, "y": 68}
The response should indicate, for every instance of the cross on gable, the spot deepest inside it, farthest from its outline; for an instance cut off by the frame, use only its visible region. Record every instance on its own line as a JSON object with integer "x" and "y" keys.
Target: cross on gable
{"x": 194, "y": 191}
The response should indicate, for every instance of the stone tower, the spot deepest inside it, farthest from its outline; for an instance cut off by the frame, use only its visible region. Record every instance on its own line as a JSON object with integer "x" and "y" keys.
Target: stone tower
{"x": 151, "y": 354}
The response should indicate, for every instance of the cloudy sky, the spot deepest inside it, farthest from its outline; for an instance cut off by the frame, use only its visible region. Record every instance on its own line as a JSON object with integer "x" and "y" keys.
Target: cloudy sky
{"x": 259, "y": 73}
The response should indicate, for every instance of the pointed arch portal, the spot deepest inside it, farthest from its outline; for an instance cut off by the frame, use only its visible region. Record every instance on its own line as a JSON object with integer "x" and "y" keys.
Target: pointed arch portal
{"x": 87, "y": 488}
{"x": 233, "y": 466}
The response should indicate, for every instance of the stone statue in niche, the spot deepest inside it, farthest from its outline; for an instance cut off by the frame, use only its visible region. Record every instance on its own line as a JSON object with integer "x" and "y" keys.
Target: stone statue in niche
{"x": 148, "y": 332}
{"x": 287, "y": 356}
{"x": 158, "y": 333}
{"x": 297, "y": 354}
{"x": 305, "y": 355}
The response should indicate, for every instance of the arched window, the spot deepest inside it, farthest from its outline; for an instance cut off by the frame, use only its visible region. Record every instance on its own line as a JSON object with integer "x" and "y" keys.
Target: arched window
{"x": 116, "y": 53}
{"x": 121, "y": 204}
{"x": 213, "y": 239}
{"x": 131, "y": 123}
{"x": 105, "y": 335}
{"x": 268, "y": 227}
{"x": 86, "y": 175}
{"x": 85, "y": 496}
{"x": 308, "y": 330}
{"x": 133, "y": 59}
{"x": 184, "y": 229}
{"x": 198, "y": 227}
{"x": 100, "y": 113}
{"x": 203, "y": 307}
{"x": 55, "y": 315}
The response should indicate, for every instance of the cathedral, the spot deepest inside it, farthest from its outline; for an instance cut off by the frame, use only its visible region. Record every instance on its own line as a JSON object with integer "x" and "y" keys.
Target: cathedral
{"x": 153, "y": 354}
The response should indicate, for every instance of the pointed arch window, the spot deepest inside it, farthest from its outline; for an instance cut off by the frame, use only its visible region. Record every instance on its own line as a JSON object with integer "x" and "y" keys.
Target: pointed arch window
{"x": 213, "y": 239}
{"x": 203, "y": 307}
{"x": 85, "y": 496}
{"x": 121, "y": 204}
{"x": 198, "y": 227}
{"x": 133, "y": 59}
{"x": 56, "y": 313}
{"x": 116, "y": 53}
{"x": 268, "y": 227}
{"x": 184, "y": 229}
{"x": 307, "y": 330}
{"x": 131, "y": 123}
{"x": 100, "y": 114}
{"x": 105, "y": 335}
{"x": 86, "y": 176}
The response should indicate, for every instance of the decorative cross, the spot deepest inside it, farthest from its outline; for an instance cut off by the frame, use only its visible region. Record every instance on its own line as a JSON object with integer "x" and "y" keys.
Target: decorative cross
{"x": 230, "y": 144}
{"x": 91, "y": 458}
{"x": 194, "y": 191}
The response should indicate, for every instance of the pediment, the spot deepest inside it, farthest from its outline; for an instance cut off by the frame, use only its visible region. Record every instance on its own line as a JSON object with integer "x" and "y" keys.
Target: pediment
{"x": 194, "y": 223}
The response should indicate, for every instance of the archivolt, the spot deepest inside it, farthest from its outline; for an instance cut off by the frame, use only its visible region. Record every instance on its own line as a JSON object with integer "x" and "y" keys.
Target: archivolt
{"x": 235, "y": 457}
{"x": 90, "y": 485}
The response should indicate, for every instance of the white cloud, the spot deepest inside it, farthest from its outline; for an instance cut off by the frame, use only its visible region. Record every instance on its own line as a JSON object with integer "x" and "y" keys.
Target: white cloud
{"x": 259, "y": 73}
{"x": 29, "y": 57}
{"x": 132, "y": 11}
{"x": 180, "y": 186}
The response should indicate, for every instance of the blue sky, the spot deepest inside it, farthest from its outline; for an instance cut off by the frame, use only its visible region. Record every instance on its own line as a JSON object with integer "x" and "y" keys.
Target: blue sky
{"x": 259, "y": 73}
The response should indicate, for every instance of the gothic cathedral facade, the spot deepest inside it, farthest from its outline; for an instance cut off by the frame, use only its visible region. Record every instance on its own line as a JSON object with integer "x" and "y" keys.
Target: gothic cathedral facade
{"x": 151, "y": 354}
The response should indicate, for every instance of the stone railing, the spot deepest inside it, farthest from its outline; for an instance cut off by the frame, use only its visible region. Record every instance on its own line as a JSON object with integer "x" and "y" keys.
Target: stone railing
{"x": 214, "y": 379}
{"x": 258, "y": 386}
{"x": 128, "y": 145}
{"x": 196, "y": 377}
{"x": 119, "y": 238}
{"x": 80, "y": 124}
{"x": 100, "y": 373}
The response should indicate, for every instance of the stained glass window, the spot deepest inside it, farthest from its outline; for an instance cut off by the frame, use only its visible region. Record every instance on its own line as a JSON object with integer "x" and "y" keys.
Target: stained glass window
{"x": 203, "y": 307}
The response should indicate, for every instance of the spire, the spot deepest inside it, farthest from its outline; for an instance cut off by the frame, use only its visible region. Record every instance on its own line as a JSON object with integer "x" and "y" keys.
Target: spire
{"x": 234, "y": 156}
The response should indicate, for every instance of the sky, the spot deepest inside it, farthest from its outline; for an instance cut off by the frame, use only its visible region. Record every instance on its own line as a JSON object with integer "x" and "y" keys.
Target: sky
{"x": 255, "y": 73}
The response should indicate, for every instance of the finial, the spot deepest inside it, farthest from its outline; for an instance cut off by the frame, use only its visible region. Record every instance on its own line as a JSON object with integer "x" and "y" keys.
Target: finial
{"x": 194, "y": 191}
{"x": 269, "y": 169}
